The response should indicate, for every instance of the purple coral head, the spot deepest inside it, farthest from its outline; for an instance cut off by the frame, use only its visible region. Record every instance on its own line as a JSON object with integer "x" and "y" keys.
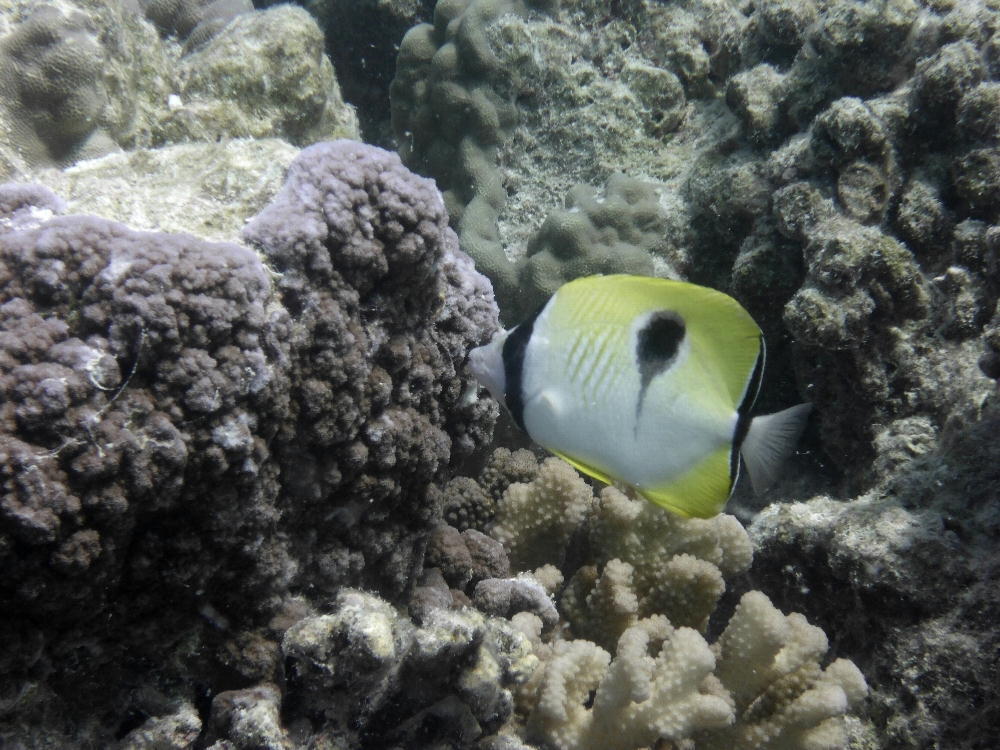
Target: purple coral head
{"x": 23, "y": 206}
{"x": 352, "y": 210}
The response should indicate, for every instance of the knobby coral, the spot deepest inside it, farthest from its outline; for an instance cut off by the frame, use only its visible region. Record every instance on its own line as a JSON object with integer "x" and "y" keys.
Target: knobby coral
{"x": 191, "y": 432}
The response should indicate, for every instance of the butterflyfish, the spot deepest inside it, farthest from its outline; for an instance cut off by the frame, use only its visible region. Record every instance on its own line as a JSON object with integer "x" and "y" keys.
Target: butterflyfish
{"x": 645, "y": 381}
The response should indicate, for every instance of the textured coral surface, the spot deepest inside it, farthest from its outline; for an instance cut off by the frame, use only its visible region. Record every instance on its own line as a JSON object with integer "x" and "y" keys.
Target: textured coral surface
{"x": 193, "y": 426}
{"x": 249, "y": 496}
{"x": 81, "y": 79}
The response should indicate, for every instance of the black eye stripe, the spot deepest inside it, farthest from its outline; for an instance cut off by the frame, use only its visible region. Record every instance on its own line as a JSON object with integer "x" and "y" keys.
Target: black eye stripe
{"x": 513, "y": 366}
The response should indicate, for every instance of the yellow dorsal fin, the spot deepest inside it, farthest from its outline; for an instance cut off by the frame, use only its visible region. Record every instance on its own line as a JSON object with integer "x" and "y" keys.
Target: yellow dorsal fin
{"x": 726, "y": 339}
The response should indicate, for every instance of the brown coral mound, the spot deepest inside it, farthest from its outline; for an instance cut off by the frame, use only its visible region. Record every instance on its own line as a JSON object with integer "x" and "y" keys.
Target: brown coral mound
{"x": 190, "y": 433}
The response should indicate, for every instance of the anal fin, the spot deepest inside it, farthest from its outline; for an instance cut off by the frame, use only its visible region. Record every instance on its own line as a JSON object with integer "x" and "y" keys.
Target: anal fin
{"x": 583, "y": 468}
{"x": 701, "y": 492}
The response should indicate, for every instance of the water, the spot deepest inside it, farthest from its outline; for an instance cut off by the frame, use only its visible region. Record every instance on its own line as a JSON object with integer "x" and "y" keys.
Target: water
{"x": 251, "y": 494}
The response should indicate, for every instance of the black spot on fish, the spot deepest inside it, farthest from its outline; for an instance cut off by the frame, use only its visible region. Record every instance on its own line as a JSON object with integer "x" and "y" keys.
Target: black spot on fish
{"x": 656, "y": 348}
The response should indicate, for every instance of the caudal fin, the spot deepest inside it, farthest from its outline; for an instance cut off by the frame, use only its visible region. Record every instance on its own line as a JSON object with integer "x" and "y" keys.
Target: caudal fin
{"x": 769, "y": 441}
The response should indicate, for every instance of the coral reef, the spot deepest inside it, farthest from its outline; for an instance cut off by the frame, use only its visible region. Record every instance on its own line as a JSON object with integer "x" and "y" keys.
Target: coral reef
{"x": 242, "y": 503}
{"x": 505, "y": 467}
{"x": 115, "y": 344}
{"x": 364, "y": 665}
{"x": 205, "y": 189}
{"x": 645, "y": 585}
{"x": 850, "y": 213}
{"x": 263, "y": 75}
{"x": 465, "y": 558}
{"x": 386, "y": 307}
{"x": 490, "y": 99}
{"x": 194, "y": 21}
{"x": 916, "y": 558}
{"x": 611, "y": 233}
{"x": 466, "y": 505}
{"x": 449, "y": 119}
{"x": 362, "y": 39}
{"x": 51, "y": 85}
{"x": 663, "y": 565}
{"x": 623, "y": 558}
{"x": 176, "y": 425}
{"x": 82, "y": 79}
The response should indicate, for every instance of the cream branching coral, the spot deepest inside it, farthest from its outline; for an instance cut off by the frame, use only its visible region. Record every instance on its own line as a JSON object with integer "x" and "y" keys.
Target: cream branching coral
{"x": 644, "y": 561}
{"x": 760, "y": 686}
{"x": 536, "y": 520}
{"x": 770, "y": 665}
{"x": 645, "y": 584}
{"x": 639, "y": 697}
{"x": 669, "y": 565}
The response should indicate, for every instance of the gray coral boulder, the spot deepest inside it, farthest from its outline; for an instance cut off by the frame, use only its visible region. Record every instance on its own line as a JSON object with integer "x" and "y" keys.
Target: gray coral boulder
{"x": 80, "y": 80}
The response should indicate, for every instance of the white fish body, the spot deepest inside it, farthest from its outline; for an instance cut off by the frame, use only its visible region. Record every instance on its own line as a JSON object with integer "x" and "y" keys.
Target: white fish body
{"x": 646, "y": 381}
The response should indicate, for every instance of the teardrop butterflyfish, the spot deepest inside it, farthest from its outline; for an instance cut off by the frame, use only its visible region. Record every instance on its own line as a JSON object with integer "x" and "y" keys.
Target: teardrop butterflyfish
{"x": 645, "y": 381}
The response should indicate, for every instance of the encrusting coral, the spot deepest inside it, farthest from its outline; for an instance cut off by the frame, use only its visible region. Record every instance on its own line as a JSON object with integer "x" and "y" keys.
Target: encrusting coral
{"x": 364, "y": 664}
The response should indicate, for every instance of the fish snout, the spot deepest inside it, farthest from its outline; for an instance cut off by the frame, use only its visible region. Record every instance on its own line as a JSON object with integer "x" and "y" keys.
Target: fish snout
{"x": 486, "y": 363}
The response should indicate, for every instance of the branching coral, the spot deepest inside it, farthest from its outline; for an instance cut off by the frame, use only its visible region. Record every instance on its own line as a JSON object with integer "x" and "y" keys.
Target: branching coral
{"x": 535, "y": 521}
{"x": 642, "y": 561}
{"x": 650, "y": 691}
{"x": 679, "y": 564}
{"x": 646, "y": 585}
{"x": 770, "y": 665}
{"x": 759, "y": 686}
